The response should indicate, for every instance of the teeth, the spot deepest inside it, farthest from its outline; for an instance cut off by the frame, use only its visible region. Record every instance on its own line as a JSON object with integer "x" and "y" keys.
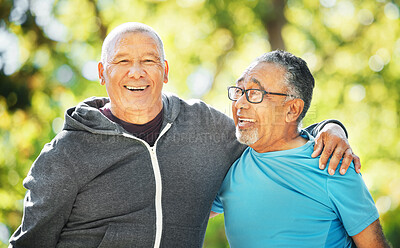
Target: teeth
{"x": 135, "y": 88}
{"x": 248, "y": 120}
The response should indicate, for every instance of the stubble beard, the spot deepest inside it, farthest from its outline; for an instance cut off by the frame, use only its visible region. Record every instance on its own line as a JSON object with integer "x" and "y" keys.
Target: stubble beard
{"x": 247, "y": 136}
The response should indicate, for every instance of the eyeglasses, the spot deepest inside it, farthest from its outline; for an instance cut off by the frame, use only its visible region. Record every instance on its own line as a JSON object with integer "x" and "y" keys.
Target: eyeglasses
{"x": 252, "y": 95}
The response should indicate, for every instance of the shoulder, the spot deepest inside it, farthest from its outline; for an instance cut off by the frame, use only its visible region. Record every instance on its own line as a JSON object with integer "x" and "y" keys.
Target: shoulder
{"x": 190, "y": 105}
{"x": 195, "y": 110}
{"x": 203, "y": 108}
{"x": 245, "y": 159}
{"x": 350, "y": 184}
{"x": 56, "y": 153}
{"x": 53, "y": 165}
{"x": 66, "y": 150}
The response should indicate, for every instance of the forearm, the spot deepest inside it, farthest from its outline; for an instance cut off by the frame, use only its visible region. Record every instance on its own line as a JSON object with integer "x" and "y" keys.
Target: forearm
{"x": 52, "y": 190}
{"x": 371, "y": 237}
{"x": 42, "y": 223}
{"x": 317, "y": 128}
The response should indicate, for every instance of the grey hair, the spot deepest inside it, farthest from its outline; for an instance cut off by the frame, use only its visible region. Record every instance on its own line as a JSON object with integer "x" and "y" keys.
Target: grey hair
{"x": 128, "y": 27}
{"x": 298, "y": 78}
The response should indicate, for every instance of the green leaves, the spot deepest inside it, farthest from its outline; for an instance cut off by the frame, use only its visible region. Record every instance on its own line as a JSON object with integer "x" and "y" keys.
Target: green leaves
{"x": 352, "y": 48}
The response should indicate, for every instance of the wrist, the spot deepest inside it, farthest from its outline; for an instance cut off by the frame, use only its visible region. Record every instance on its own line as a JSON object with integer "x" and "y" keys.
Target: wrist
{"x": 335, "y": 128}
{"x": 331, "y": 123}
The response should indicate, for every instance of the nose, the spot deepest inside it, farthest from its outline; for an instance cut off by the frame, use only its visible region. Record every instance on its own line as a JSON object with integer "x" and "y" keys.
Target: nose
{"x": 136, "y": 71}
{"x": 242, "y": 102}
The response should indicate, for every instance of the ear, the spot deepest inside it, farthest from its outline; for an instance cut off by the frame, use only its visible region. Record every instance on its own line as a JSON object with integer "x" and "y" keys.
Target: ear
{"x": 294, "y": 109}
{"x": 166, "y": 70}
{"x": 100, "y": 68}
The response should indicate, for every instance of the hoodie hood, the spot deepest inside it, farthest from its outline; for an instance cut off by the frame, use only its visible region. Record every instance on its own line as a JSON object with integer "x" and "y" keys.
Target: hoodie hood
{"x": 86, "y": 116}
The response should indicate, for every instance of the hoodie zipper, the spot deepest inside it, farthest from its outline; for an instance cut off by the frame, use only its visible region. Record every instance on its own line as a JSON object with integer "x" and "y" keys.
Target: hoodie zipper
{"x": 158, "y": 182}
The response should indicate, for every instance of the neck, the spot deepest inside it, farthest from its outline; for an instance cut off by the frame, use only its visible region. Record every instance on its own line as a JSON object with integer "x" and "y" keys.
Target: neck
{"x": 136, "y": 116}
{"x": 288, "y": 138}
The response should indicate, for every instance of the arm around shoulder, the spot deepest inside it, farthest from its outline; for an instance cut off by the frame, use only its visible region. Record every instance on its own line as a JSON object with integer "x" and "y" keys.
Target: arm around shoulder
{"x": 316, "y": 128}
{"x": 331, "y": 142}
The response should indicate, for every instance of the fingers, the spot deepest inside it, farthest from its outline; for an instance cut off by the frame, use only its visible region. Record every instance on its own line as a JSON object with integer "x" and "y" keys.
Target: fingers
{"x": 337, "y": 155}
{"x": 357, "y": 163}
{"x": 342, "y": 150}
{"x": 335, "y": 148}
{"x": 319, "y": 144}
{"x": 347, "y": 158}
{"x": 326, "y": 154}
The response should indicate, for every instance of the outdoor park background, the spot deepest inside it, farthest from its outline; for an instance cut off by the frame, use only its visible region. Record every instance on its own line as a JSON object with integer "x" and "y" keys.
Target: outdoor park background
{"x": 49, "y": 51}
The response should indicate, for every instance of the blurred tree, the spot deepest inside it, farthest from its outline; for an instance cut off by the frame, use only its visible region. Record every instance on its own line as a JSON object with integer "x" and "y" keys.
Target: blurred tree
{"x": 49, "y": 50}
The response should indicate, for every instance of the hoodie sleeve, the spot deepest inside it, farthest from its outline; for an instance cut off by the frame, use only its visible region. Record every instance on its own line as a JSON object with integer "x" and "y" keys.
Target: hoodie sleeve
{"x": 51, "y": 192}
{"x": 316, "y": 128}
{"x": 225, "y": 129}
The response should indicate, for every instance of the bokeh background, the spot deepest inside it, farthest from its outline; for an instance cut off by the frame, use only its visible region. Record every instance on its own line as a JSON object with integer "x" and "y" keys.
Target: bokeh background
{"x": 48, "y": 62}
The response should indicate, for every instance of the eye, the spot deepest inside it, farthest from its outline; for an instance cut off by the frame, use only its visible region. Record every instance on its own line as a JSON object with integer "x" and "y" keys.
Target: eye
{"x": 254, "y": 92}
{"x": 123, "y": 61}
{"x": 238, "y": 91}
{"x": 149, "y": 61}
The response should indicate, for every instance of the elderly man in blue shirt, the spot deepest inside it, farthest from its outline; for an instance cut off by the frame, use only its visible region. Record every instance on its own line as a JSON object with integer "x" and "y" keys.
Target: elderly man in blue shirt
{"x": 275, "y": 195}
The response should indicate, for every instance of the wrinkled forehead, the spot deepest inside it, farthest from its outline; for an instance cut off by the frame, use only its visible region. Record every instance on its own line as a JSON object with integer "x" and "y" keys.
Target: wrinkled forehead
{"x": 262, "y": 74}
{"x": 245, "y": 74}
{"x": 121, "y": 40}
{"x": 139, "y": 36}
{"x": 247, "y": 80}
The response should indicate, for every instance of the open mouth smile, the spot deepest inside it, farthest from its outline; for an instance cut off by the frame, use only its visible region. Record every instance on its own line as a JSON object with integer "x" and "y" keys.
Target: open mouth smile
{"x": 245, "y": 122}
{"x": 132, "y": 88}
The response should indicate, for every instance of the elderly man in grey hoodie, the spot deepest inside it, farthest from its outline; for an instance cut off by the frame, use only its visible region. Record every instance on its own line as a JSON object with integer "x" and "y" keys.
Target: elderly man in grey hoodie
{"x": 139, "y": 168}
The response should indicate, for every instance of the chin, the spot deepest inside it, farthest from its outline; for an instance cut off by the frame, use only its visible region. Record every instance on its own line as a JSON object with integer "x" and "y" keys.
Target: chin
{"x": 247, "y": 137}
{"x": 138, "y": 104}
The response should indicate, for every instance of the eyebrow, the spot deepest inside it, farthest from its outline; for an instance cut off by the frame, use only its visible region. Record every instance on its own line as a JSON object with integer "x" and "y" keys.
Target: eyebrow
{"x": 239, "y": 80}
{"x": 120, "y": 55}
{"x": 254, "y": 80}
{"x": 152, "y": 54}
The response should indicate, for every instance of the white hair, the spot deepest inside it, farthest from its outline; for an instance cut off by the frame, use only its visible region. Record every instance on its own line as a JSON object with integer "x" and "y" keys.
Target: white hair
{"x": 128, "y": 27}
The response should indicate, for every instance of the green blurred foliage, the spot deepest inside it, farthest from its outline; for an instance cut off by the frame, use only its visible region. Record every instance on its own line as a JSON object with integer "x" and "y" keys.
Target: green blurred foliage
{"x": 49, "y": 50}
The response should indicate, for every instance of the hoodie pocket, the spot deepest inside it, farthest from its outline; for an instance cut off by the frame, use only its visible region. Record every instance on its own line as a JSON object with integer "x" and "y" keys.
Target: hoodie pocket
{"x": 127, "y": 235}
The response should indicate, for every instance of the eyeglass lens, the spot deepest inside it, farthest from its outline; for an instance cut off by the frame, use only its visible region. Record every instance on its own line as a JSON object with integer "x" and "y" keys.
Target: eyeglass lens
{"x": 253, "y": 95}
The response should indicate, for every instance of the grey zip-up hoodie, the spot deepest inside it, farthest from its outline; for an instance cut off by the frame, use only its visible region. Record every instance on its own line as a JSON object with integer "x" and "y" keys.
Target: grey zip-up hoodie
{"x": 96, "y": 185}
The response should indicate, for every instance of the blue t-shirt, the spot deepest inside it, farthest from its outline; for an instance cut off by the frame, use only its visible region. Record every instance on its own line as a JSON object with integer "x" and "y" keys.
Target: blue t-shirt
{"x": 282, "y": 199}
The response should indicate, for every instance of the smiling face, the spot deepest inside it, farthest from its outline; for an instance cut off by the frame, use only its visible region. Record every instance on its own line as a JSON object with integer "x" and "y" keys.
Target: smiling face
{"x": 134, "y": 74}
{"x": 261, "y": 125}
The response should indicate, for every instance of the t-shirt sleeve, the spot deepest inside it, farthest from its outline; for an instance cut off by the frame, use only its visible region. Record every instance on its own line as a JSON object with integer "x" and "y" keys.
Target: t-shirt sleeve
{"x": 352, "y": 201}
{"x": 217, "y": 205}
